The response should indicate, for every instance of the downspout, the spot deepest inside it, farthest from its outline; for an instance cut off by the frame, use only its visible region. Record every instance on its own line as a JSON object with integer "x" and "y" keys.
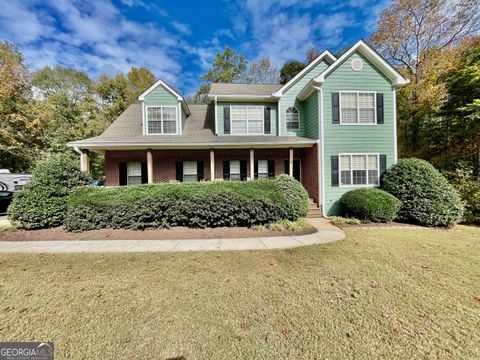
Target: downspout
{"x": 322, "y": 150}
{"x": 215, "y": 101}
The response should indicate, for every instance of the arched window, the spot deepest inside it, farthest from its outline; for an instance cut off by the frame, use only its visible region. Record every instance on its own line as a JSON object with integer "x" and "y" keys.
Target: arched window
{"x": 292, "y": 119}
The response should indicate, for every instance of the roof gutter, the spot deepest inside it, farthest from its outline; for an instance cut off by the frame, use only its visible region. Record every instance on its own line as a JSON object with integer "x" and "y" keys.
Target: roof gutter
{"x": 241, "y": 97}
{"x": 113, "y": 144}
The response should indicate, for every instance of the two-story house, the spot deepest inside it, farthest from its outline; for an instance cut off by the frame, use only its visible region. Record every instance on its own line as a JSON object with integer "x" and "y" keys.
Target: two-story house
{"x": 333, "y": 127}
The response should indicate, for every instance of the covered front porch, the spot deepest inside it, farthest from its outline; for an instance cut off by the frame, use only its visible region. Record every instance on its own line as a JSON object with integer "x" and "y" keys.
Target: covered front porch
{"x": 157, "y": 165}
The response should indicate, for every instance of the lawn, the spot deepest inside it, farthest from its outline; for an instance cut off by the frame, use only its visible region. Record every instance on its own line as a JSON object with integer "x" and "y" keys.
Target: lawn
{"x": 381, "y": 293}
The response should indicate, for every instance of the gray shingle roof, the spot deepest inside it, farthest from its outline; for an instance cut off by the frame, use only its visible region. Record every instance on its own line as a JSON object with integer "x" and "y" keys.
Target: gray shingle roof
{"x": 199, "y": 129}
{"x": 243, "y": 89}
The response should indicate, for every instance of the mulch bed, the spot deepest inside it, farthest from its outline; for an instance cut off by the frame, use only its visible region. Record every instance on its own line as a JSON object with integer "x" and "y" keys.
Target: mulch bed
{"x": 177, "y": 233}
{"x": 392, "y": 225}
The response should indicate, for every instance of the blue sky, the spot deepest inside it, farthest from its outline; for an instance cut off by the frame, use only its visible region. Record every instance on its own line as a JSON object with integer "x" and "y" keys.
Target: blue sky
{"x": 177, "y": 40}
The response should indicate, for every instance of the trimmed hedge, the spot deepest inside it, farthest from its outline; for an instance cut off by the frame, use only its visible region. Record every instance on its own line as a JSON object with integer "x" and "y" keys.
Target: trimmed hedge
{"x": 201, "y": 205}
{"x": 370, "y": 205}
{"x": 43, "y": 202}
{"x": 426, "y": 196}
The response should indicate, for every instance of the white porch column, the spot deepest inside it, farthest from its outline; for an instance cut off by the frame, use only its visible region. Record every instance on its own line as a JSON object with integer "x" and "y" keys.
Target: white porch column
{"x": 290, "y": 162}
{"x": 85, "y": 161}
{"x": 149, "y": 166}
{"x": 252, "y": 165}
{"x": 212, "y": 165}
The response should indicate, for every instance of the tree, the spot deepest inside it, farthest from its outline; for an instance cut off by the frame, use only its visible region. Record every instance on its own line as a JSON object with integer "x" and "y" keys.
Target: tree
{"x": 21, "y": 118}
{"x": 227, "y": 67}
{"x": 289, "y": 70}
{"x": 263, "y": 71}
{"x": 312, "y": 54}
{"x": 118, "y": 92}
{"x": 460, "y": 115}
{"x": 424, "y": 39}
{"x": 73, "y": 84}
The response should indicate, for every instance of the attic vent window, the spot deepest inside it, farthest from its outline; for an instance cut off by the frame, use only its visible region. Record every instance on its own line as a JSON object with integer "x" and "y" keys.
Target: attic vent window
{"x": 357, "y": 64}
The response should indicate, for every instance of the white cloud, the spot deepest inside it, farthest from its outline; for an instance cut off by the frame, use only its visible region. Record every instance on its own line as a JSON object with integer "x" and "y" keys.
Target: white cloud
{"x": 92, "y": 35}
{"x": 284, "y": 29}
{"x": 183, "y": 28}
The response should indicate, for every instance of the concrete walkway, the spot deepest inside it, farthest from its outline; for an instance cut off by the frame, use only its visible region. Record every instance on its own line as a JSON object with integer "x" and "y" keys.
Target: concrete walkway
{"x": 326, "y": 233}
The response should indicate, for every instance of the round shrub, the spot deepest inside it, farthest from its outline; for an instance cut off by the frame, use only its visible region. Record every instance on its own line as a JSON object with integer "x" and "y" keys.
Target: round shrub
{"x": 426, "y": 196}
{"x": 370, "y": 205}
{"x": 296, "y": 197}
{"x": 43, "y": 202}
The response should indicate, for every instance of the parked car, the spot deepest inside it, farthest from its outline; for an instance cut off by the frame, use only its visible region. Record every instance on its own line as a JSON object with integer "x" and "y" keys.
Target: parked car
{"x": 5, "y": 200}
{"x": 13, "y": 181}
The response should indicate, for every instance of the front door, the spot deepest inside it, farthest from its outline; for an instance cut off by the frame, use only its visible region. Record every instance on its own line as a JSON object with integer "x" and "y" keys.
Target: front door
{"x": 296, "y": 168}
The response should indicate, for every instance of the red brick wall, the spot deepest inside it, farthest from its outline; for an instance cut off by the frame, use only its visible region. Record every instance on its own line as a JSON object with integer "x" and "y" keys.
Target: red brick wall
{"x": 164, "y": 163}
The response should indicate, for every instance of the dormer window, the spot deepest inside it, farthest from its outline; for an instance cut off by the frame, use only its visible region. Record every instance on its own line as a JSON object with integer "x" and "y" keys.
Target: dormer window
{"x": 161, "y": 120}
{"x": 292, "y": 119}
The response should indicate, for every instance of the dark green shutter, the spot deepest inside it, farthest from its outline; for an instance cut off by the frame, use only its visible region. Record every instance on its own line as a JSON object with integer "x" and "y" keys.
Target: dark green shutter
{"x": 383, "y": 164}
{"x": 334, "y": 165}
{"x": 335, "y": 108}
{"x": 285, "y": 167}
{"x": 271, "y": 169}
{"x": 380, "y": 111}
{"x": 144, "y": 173}
{"x": 243, "y": 170}
{"x": 122, "y": 173}
{"x": 200, "y": 170}
{"x": 255, "y": 169}
{"x": 179, "y": 166}
{"x": 226, "y": 119}
{"x": 226, "y": 170}
{"x": 266, "y": 119}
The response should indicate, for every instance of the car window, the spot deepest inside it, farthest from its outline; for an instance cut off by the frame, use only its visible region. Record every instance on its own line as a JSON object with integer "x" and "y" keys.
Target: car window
{"x": 4, "y": 193}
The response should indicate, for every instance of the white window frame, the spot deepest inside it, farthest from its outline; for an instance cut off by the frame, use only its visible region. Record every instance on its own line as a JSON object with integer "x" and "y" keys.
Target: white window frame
{"x": 248, "y": 106}
{"x": 258, "y": 170}
{"x": 286, "y": 122}
{"x": 239, "y": 170}
{"x": 161, "y": 120}
{"x": 358, "y": 107}
{"x": 129, "y": 176}
{"x": 367, "y": 185}
{"x": 188, "y": 174}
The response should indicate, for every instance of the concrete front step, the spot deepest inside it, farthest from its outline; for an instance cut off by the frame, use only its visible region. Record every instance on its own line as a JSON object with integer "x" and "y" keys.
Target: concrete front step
{"x": 314, "y": 213}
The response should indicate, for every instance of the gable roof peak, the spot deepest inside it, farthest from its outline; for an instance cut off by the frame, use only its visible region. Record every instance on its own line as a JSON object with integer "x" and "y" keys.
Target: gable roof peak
{"x": 366, "y": 50}
{"x": 324, "y": 55}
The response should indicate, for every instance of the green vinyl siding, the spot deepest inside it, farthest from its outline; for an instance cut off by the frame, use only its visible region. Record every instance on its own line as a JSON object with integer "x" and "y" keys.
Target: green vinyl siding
{"x": 310, "y": 115}
{"x": 273, "y": 115}
{"x": 355, "y": 138}
{"x": 289, "y": 98}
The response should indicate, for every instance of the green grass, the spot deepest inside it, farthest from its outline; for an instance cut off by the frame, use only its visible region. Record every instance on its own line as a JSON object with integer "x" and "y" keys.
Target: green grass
{"x": 379, "y": 294}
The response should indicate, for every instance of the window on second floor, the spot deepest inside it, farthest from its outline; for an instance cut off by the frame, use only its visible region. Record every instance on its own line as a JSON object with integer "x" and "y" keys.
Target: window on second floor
{"x": 292, "y": 119}
{"x": 246, "y": 120}
{"x": 357, "y": 108}
{"x": 161, "y": 120}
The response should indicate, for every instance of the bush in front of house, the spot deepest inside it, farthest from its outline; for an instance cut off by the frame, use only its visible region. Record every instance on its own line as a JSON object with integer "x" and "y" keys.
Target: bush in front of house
{"x": 468, "y": 187}
{"x": 199, "y": 205}
{"x": 43, "y": 202}
{"x": 370, "y": 205}
{"x": 426, "y": 196}
{"x": 296, "y": 197}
